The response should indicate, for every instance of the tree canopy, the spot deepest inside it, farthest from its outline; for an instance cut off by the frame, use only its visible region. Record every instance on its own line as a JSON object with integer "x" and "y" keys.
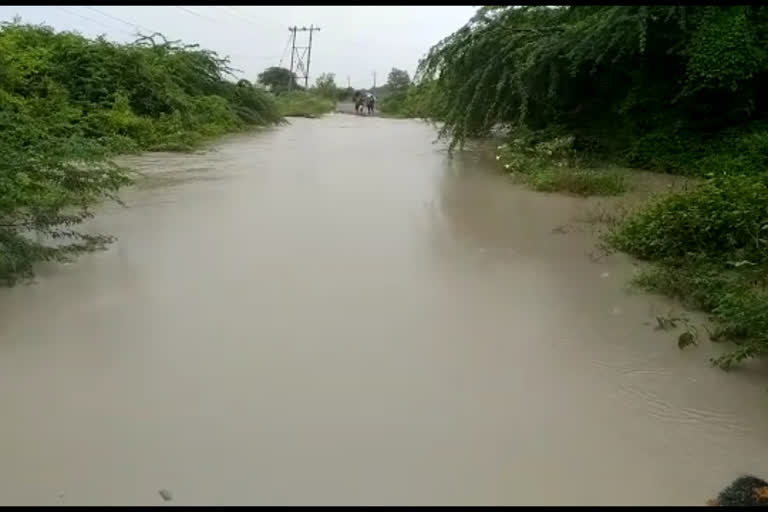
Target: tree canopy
{"x": 398, "y": 80}
{"x": 598, "y": 69}
{"x": 67, "y": 104}
{"x": 278, "y": 79}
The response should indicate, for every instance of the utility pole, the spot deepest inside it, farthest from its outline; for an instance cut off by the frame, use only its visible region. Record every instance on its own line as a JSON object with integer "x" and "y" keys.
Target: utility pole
{"x": 348, "y": 82}
{"x": 374, "y": 79}
{"x": 309, "y": 56}
{"x": 293, "y": 51}
{"x": 299, "y": 52}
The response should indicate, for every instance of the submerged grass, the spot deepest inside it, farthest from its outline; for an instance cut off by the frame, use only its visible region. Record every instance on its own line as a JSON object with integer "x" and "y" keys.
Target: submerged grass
{"x": 584, "y": 182}
{"x": 708, "y": 243}
{"x": 551, "y": 165}
{"x": 709, "y": 248}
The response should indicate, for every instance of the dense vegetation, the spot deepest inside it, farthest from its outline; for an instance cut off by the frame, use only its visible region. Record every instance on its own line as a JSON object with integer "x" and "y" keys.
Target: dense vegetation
{"x": 68, "y": 104}
{"x": 395, "y": 92}
{"x": 293, "y": 100}
{"x": 304, "y": 104}
{"x": 668, "y": 88}
{"x": 675, "y": 89}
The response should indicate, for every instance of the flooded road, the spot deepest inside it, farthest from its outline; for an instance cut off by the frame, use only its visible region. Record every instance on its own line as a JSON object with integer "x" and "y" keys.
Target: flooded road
{"x": 335, "y": 312}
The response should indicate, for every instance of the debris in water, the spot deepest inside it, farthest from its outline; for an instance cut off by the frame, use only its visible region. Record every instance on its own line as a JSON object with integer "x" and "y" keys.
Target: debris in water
{"x": 605, "y": 274}
{"x": 165, "y": 494}
{"x": 665, "y": 323}
{"x": 560, "y": 229}
{"x": 685, "y": 339}
{"x": 596, "y": 256}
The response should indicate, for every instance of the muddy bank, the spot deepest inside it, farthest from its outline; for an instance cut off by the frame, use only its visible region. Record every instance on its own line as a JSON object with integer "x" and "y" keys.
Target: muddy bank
{"x": 303, "y": 317}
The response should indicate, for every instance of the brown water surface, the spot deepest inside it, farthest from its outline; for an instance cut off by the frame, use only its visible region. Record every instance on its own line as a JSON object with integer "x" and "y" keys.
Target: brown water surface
{"x": 335, "y": 312}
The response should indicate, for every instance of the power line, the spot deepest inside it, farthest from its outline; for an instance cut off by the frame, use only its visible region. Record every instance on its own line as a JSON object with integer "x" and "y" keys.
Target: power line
{"x": 242, "y": 19}
{"x": 240, "y": 14}
{"x": 136, "y": 25}
{"x": 132, "y": 25}
{"x": 239, "y": 17}
{"x": 285, "y": 50}
{"x": 235, "y": 15}
{"x": 245, "y": 56}
{"x": 245, "y": 20}
{"x": 91, "y": 20}
{"x": 197, "y": 14}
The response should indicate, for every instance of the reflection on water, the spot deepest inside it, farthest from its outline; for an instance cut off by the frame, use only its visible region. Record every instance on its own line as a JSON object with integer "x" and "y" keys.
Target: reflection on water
{"x": 335, "y": 312}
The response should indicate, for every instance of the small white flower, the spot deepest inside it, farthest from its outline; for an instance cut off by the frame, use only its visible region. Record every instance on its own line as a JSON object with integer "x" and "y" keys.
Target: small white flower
{"x": 506, "y": 166}
{"x": 498, "y": 157}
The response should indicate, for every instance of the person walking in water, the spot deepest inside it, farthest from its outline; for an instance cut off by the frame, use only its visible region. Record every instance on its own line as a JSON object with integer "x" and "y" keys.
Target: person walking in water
{"x": 359, "y": 100}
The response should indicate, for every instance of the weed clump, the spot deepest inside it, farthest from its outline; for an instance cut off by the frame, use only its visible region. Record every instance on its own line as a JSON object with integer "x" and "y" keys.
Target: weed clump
{"x": 710, "y": 249}
{"x": 303, "y": 104}
{"x": 69, "y": 104}
{"x": 552, "y": 165}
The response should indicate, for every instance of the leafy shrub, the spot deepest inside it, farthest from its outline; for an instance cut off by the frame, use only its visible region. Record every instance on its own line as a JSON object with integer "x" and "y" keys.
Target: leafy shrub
{"x": 725, "y": 218}
{"x": 303, "y": 104}
{"x": 551, "y": 165}
{"x": 394, "y": 104}
{"x": 710, "y": 247}
{"x": 584, "y": 182}
{"x": 68, "y": 104}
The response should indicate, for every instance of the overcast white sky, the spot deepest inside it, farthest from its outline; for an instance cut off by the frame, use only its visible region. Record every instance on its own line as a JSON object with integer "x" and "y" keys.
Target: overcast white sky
{"x": 353, "y": 41}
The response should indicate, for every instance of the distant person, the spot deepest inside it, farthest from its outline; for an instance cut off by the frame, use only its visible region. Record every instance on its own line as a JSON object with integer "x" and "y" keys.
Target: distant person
{"x": 359, "y": 99}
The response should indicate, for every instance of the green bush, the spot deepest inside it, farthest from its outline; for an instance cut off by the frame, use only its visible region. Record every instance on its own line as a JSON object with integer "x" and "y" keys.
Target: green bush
{"x": 68, "y": 104}
{"x": 665, "y": 70}
{"x": 709, "y": 245}
{"x": 741, "y": 150}
{"x": 548, "y": 163}
{"x": 725, "y": 219}
{"x": 735, "y": 297}
{"x": 584, "y": 182}
{"x": 420, "y": 101}
{"x": 303, "y": 104}
{"x": 394, "y": 104}
{"x": 667, "y": 88}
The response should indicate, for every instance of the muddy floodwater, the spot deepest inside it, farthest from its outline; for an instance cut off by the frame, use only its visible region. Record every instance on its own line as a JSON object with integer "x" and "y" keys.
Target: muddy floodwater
{"x": 336, "y": 312}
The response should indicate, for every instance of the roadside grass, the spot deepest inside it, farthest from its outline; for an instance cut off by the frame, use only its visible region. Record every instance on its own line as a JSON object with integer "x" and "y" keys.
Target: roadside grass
{"x": 709, "y": 248}
{"x": 553, "y": 166}
{"x": 706, "y": 245}
{"x": 303, "y": 104}
{"x": 580, "y": 181}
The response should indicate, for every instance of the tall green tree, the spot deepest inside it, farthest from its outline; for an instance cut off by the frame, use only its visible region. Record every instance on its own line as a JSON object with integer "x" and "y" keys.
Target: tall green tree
{"x": 398, "y": 80}
{"x": 325, "y": 85}
{"x": 278, "y": 79}
{"x": 603, "y": 69}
